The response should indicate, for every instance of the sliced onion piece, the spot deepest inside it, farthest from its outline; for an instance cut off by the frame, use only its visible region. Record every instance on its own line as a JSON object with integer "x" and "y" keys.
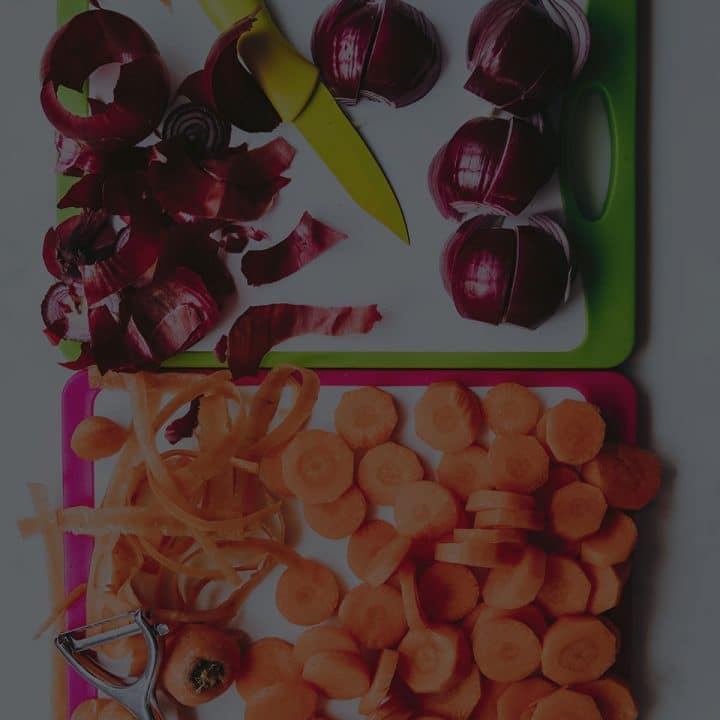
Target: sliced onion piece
{"x": 307, "y": 242}
{"x": 570, "y": 15}
{"x": 260, "y": 329}
{"x": 236, "y": 238}
{"x": 65, "y": 314}
{"x": 87, "y": 42}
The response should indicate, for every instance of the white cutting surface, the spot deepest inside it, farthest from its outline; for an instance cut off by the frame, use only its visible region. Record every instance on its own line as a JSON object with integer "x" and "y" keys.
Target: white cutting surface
{"x": 259, "y": 617}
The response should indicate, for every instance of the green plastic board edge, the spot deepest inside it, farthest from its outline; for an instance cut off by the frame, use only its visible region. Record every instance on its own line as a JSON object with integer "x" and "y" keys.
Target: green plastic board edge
{"x": 606, "y": 246}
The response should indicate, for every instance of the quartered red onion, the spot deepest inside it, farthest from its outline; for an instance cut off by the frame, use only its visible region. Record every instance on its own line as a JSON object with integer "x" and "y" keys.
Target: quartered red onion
{"x": 518, "y": 275}
{"x": 383, "y": 50}
{"x": 492, "y": 166}
{"x": 523, "y": 53}
{"x": 88, "y": 42}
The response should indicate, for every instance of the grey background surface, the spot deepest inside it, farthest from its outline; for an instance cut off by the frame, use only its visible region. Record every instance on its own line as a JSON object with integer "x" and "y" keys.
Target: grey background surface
{"x": 677, "y": 624}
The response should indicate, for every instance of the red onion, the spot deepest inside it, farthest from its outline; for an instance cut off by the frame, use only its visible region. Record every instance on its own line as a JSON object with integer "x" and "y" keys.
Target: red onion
{"x": 523, "y": 53}
{"x": 491, "y": 165}
{"x": 87, "y": 42}
{"x": 379, "y": 49}
{"x": 308, "y": 241}
{"x": 200, "y": 126}
{"x": 64, "y": 314}
{"x": 184, "y": 426}
{"x": 236, "y": 238}
{"x": 518, "y": 275}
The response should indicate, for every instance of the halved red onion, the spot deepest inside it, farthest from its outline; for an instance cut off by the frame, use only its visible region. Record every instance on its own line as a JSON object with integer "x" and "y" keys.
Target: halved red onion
{"x": 518, "y": 275}
{"x": 384, "y": 50}
{"x": 87, "y": 42}
{"x": 184, "y": 427}
{"x": 260, "y": 329}
{"x": 240, "y": 186}
{"x": 523, "y": 53}
{"x": 65, "y": 314}
{"x": 491, "y": 166}
{"x": 307, "y": 242}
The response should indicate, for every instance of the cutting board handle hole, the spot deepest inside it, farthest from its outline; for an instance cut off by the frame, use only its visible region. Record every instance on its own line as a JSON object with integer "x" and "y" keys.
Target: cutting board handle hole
{"x": 590, "y": 151}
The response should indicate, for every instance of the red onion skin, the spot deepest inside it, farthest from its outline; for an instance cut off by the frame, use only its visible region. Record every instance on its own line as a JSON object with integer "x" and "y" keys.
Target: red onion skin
{"x": 64, "y": 314}
{"x": 521, "y": 60}
{"x": 541, "y": 278}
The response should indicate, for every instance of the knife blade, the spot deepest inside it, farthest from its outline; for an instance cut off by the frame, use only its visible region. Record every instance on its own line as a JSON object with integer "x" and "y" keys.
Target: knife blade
{"x": 294, "y": 87}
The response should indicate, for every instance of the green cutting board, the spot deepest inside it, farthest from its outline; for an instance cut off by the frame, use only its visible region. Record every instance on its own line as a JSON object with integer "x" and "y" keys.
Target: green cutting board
{"x": 606, "y": 245}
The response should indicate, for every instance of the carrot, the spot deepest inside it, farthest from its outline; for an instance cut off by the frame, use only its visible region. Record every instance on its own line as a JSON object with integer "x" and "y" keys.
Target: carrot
{"x": 366, "y": 417}
{"x": 629, "y": 477}
{"x": 448, "y": 592}
{"x": 387, "y": 560}
{"x": 321, "y": 639}
{"x": 265, "y": 663}
{"x": 517, "y": 519}
{"x": 514, "y": 587}
{"x": 382, "y": 680}
{"x": 613, "y": 698}
{"x": 519, "y": 696}
{"x": 511, "y": 409}
{"x": 487, "y": 708}
{"x": 271, "y": 475}
{"x": 578, "y": 649}
{"x": 465, "y": 472}
{"x": 339, "y": 518}
{"x": 433, "y": 660}
{"x": 529, "y": 615}
{"x": 414, "y": 611}
{"x": 318, "y": 466}
{"x": 365, "y": 544}
{"x": 307, "y": 594}
{"x": 456, "y": 703}
{"x": 518, "y": 463}
{"x": 613, "y": 543}
{"x": 425, "y": 510}
{"x": 568, "y": 705}
{"x": 448, "y": 417}
{"x": 113, "y": 710}
{"x": 498, "y": 500}
{"x": 506, "y": 650}
{"x": 541, "y": 431}
{"x": 289, "y": 701}
{"x": 478, "y": 554}
{"x": 559, "y": 477}
{"x": 566, "y": 590}
{"x": 374, "y": 616}
{"x": 384, "y": 468}
{"x": 200, "y": 665}
{"x": 90, "y": 709}
{"x": 97, "y": 438}
{"x": 607, "y": 585}
{"x": 490, "y": 535}
{"x": 576, "y": 511}
{"x": 338, "y": 675}
{"x": 575, "y": 432}
{"x": 393, "y": 708}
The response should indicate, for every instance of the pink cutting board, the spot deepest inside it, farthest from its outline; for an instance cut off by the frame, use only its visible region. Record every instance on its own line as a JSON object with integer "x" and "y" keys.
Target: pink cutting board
{"x": 613, "y": 393}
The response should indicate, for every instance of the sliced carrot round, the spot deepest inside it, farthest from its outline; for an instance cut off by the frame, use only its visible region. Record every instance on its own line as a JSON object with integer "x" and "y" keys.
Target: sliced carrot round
{"x": 518, "y": 697}
{"x": 90, "y": 709}
{"x": 578, "y": 649}
{"x": 517, "y": 519}
{"x": 366, "y": 417}
{"x": 518, "y": 463}
{"x": 265, "y": 663}
{"x": 613, "y": 698}
{"x": 289, "y": 701}
{"x": 382, "y": 680}
{"x": 385, "y": 468}
{"x": 511, "y": 409}
{"x": 374, "y": 616}
{"x": 414, "y": 611}
{"x": 576, "y": 511}
{"x": 498, "y": 500}
{"x": 466, "y": 471}
{"x": 506, "y": 650}
{"x": 271, "y": 475}
{"x": 559, "y": 477}
{"x": 607, "y": 585}
{"x": 490, "y": 535}
{"x": 321, "y": 639}
{"x": 387, "y": 560}
{"x": 568, "y": 705}
{"x": 365, "y": 544}
{"x": 448, "y": 592}
{"x": 318, "y": 466}
{"x": 456, "y": 703}
{"x": 629, "y": 477}
{"x": 113, "y": 710}
{"x": 338, "y": 675}
{"x": 307, "y": 594}
{"x": 487, "y": 708}
{"x": 613, "y": 544}
{"x": 448, "y": 417}
{"x": 530, "y": 615}
{"x": 478, "y": 554}
{"x": 339, "y": 518}
{"x": 566, "y": 589}
{"x": 575, "y": 432}
{"x": 425, "y": 510}
{"x": 433, "y": 660}
{"x": 515, "y": 586}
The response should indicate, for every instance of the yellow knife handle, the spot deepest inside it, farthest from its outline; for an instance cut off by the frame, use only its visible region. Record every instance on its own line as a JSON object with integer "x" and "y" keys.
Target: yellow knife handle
{"x": 288, "y": 79}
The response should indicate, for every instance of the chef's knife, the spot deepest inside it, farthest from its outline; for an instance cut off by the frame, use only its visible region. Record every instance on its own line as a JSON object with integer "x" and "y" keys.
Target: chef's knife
{"x": 293, "y": 86}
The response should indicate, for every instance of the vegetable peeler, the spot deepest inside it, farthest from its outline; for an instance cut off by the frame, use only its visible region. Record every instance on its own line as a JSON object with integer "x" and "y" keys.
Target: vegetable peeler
{"x": 137, "y": 696}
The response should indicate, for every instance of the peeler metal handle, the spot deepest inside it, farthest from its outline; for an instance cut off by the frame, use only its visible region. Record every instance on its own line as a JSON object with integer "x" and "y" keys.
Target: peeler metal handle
{"x": 138, "y": 695}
